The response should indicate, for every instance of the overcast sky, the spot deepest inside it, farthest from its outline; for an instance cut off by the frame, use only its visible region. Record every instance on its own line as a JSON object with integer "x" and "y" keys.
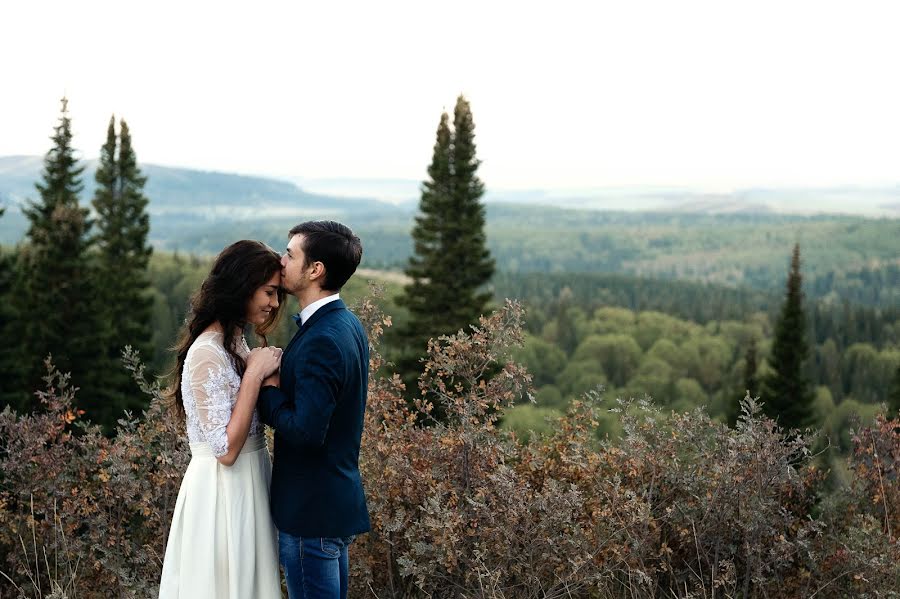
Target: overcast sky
{"x": 715, "y": 95}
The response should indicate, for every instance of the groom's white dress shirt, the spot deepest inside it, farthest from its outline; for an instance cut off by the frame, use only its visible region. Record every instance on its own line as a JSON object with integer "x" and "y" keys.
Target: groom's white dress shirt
{"x": 309, "y": 310}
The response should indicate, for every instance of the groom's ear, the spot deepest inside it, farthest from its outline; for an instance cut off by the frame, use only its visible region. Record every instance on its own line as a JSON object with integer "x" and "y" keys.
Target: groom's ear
{"x": 318, "y": 272}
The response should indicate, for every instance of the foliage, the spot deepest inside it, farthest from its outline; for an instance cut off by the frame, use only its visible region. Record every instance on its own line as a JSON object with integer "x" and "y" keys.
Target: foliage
{"x": 122, "y": 255}
{"x": 876, "y": 463}
{"x": 11, "y": 371}
{"x": 102, "y": 505}
{"x": 681, "y": 506}
{"x": 712, "y": 353}
{"x": 844, "y": 322}
{"x": 874, "y": 286}
{"x": 54, "y": 285}
{"x": 787, "y": 391}
{"x": 450, "y": 264}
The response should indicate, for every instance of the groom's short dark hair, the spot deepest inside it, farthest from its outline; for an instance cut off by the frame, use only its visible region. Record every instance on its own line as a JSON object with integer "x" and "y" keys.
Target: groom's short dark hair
{"x": 332, "y": 244}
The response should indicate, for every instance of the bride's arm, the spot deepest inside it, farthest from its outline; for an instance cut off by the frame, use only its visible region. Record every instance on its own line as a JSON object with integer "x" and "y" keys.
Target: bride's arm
{"x": 224, "y": 428}
{"x": 261, "y": 362}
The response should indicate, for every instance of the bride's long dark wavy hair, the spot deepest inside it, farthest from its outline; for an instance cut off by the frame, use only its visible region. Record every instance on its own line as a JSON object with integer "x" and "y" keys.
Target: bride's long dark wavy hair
{"x": 239, "y": 270}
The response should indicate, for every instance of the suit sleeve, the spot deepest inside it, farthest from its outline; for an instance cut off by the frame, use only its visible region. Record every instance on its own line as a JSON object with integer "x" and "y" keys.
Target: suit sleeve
{"x": 302, "y": 418}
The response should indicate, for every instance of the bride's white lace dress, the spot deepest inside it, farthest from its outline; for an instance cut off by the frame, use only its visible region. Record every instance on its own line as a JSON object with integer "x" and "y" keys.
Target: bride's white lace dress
{"x": 222, "y": 542}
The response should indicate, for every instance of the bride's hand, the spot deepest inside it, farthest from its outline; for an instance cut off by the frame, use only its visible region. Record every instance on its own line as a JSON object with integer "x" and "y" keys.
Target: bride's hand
{"x": 263, "y": 361}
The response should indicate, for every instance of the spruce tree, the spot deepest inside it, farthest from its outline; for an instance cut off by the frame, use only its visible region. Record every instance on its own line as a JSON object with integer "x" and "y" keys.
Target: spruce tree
{"x": 12, "y": 391}
{"x": 787, "y": 392}
{"x": 451, "y": 263}
{"x": 466, "y": 224}
{"x": 122, "y": 258}
{"x": 54, "y": 294}
{"x": 424, "y": 268}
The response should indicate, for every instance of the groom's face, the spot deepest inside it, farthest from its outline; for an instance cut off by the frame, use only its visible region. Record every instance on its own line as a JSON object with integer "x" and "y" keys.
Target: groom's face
{"x": 294, "y": 275}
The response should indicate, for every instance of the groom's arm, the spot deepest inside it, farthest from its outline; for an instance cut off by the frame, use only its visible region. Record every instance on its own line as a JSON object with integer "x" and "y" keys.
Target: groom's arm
{"x": 302, "y": 417}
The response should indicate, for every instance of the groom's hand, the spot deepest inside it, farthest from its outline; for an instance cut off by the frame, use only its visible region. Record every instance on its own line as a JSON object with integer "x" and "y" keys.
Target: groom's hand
{"x": 273, "y": 380}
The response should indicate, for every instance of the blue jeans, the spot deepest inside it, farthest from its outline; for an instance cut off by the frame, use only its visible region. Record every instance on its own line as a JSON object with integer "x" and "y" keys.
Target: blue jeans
{"x": 314, "y": 567}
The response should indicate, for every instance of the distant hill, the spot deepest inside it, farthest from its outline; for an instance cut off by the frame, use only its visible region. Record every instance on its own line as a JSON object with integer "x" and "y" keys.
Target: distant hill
{"x": 180, "y": 188}
{"x": 731, "y": 239}
{"x": 188, "y": 207}
{"x": 186, "y": 191}
{"x": 857, "y": 201}
{"x": 848, "y": 200}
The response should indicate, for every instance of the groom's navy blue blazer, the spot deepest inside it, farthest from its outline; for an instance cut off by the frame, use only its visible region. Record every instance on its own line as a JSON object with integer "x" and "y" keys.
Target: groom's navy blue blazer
{"x": 317, "y": 415}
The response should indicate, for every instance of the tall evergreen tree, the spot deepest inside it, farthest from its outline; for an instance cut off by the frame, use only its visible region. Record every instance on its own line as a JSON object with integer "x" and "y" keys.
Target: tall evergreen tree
{"x": 469, "y": 242}
{"x": 54, "y": 293}
{"x": 12, "y": 391}
{"x": 451, "y": 263}
{"x": 123, "y": 254}
{"x": 787, "y": 391}
{"x": 430, "y": 286}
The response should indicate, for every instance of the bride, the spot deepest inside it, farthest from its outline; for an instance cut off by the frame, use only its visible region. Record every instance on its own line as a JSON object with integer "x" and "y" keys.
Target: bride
{"x": 222, "y": 542}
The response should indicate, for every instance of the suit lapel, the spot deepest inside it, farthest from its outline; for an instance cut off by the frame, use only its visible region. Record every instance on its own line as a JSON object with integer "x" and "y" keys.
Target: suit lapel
{"x": 293, "y": 339}
{"x": 337, "y": 304}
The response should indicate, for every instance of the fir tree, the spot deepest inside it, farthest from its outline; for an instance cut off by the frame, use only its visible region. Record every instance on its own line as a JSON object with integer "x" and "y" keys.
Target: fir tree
{"x": 54, "y": 293}
{"x": 12, "y": 391}
{"x": 123, "y": 255}
{"x": 787, "y": 392}
{"x": 425, "y": 266}
{"x": 451, "y": 264}
{"x": 466, "y": 224}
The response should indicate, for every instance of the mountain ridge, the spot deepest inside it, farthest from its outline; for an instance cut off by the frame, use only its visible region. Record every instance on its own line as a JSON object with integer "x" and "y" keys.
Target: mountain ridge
{"x": 175, "y": 189}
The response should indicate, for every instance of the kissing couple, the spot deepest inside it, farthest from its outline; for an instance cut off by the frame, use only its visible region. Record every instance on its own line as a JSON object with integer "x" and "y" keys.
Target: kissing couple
{"x": 223, "y": 542}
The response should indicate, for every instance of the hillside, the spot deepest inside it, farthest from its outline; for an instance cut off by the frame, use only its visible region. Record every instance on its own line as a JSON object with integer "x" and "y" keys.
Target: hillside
{"x": 200, "y": 212}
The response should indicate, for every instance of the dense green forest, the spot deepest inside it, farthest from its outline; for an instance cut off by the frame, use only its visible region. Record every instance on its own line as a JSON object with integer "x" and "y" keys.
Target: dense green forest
{"x": 682, "y": 343}
{"x": 846, "y": 257}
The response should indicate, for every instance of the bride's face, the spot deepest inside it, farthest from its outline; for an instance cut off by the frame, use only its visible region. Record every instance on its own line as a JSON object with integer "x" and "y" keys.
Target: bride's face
{"x": 263, "y": 301}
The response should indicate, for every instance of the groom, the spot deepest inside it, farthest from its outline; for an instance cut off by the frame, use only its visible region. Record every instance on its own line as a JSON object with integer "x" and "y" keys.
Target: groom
{"x": 317, "y": 496}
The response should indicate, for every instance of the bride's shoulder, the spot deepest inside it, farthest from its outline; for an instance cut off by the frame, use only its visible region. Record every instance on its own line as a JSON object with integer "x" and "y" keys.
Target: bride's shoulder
{"x": 208, "y": 344}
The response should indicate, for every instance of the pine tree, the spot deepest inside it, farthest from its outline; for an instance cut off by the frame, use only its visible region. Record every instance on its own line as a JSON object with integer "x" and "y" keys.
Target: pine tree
{"x": 123, "y": 255}
{"x": 469, "y": 242}
{"x": 12, "y": 391}
{"x": 136, "y": 251}
{"x": 54, "y": 282}
{"x": 451, "y": 263}
{"x": 787, "y": 392}
{"x": 430, "y": 286}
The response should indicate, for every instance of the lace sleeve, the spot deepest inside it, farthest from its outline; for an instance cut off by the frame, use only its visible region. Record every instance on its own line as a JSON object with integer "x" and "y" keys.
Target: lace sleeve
{"x": 213, "y": 392}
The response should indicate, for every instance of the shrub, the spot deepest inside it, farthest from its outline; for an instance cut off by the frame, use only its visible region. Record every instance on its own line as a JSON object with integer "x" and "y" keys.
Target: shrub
{"x": 101, "y": 506}
{"x": 676, "y": 505}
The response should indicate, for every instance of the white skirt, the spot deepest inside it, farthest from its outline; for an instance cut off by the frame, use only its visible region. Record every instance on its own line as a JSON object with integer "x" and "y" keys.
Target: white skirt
{"x": 223, "y": 543}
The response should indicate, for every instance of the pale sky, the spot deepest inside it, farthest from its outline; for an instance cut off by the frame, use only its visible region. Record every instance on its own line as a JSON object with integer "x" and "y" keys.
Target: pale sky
{"x": 712, "y": 94}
